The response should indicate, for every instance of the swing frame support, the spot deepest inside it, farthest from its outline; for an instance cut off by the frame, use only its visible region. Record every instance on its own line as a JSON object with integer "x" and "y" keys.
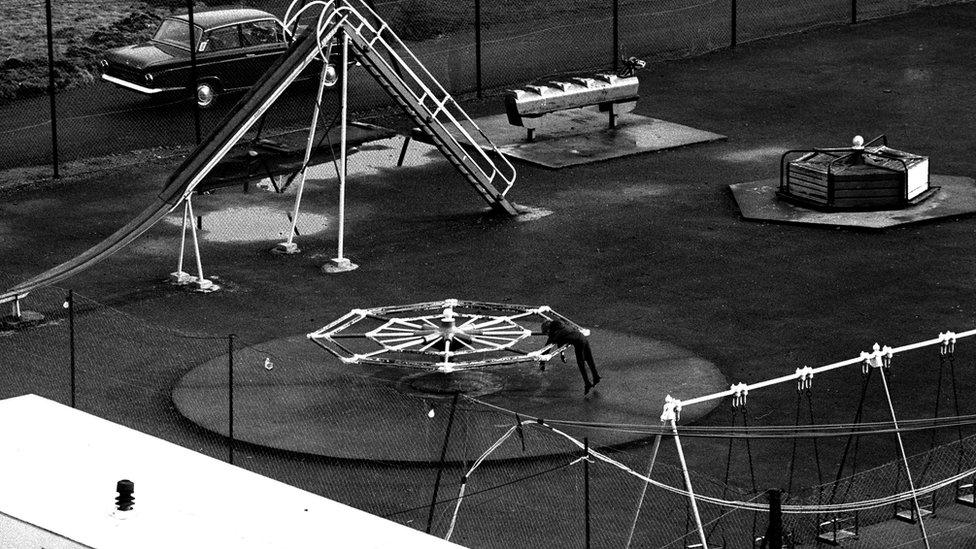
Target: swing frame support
{"x": 882, "y": 361}
{"x": 879, "y": 358}
{"x": 672, "y": 408}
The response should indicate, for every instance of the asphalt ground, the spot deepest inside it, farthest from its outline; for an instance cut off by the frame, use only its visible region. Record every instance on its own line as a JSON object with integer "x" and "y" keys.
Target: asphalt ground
{"x": 102, "y": 119}
{"x": 650, "y": 245}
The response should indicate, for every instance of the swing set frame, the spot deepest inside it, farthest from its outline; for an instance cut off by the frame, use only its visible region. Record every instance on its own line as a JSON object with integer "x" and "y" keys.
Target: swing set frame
{"x": 878, "y": 359}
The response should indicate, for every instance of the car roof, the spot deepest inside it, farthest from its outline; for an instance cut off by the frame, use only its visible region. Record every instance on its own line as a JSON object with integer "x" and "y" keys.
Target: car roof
{"x": 217, "y": 18}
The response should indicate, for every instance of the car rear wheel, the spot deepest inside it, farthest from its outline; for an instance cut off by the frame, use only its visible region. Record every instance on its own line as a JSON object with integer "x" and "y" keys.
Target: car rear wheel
{"x": 206, "y": 94}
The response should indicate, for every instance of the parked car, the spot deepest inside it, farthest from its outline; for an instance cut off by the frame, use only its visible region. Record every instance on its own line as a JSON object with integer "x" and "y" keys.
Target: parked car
{"x": 234, "y": 48}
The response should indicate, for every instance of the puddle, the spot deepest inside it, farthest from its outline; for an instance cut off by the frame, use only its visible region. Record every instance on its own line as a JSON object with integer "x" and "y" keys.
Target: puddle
{"x": 759, "y": 154}
{"x": 530, "y": 213}
{"x": 253, "y": 223}
{"x": 628, "y": 194}
{"x": 380, "y": 157}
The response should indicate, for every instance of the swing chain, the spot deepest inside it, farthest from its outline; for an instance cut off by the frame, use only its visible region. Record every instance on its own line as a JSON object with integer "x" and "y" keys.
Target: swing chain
{"x": 948, "y": 340}
{"x": 740, "y": 391}
{"x": 804, "y": 378}
{"x": 879, "y": 358}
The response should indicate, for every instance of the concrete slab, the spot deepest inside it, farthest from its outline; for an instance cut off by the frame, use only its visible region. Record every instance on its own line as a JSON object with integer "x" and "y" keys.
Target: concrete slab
{"x": 290, "y": 395}
{"x": 581, "y": 136}
{"x": 757, "y": 201}
{"x": 61, "y": 466}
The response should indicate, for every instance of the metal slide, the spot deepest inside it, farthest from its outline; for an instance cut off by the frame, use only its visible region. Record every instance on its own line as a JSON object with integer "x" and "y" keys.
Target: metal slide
{"x": 461, "y": 141}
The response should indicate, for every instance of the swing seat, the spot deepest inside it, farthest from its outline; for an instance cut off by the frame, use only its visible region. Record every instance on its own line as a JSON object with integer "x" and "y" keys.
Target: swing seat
{"x": 787, "y": 542}
{"x": 710, "y": 545}
{"x": 964, "y": 494}
{"x": 905, "y": 510}
{"x": 835, "y": 530}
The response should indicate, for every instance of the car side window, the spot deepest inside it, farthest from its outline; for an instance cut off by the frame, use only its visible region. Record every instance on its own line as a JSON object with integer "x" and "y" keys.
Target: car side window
{"x": 223, "y": 39}
{"x": 259, "y": 33}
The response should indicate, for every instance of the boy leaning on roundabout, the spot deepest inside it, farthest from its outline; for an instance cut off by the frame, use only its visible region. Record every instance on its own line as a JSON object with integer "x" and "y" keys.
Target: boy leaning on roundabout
{"x": 561, "y": 333}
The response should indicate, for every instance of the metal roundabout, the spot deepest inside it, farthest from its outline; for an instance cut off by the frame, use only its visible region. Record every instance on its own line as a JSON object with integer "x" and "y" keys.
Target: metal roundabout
{"x": 442, "y": 336}
{"x": 395, "y": 375}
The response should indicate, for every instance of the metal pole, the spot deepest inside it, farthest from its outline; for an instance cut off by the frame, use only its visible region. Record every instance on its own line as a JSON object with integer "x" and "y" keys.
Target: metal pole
{"x": 186, "y": 213}
{"x": 732, "y": 24}
{"x": 196, "y": 244}
{"x": 774, "y": 532}
{"x": 640, "y": 501}
{"x": 71, "y": 341}
{"x": 691, "y": 493}
{"x": 193, "y": 71}
{"x": 477, "y": 47}
{"x": 904, "y": 458}
{"x": 586, "y": 487}
{"x": 853, "y": 12}
{"x": 342, "y": 141}
{"x": 308, "y": 154}
{"x": 751, "y": 387}
{"x": 50, "y": 88}
{"x": 616, "y": 34}
{"x": 440, "y": 465}
{"x": 230, "y": 398}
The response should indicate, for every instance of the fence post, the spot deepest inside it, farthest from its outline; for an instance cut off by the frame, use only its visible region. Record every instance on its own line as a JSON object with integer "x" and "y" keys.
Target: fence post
{"x": 586, "y": 488}
{"x": 440, "y": 465}
{"x": 230, "y": 398}
{"x": 774, "y": 532}
{"x": 853, "y": 12}
{"x": 50, "y": 87}
{"x": 733, "y": 21}
{"x": 193, "y": 71}
{"x": 71, "y": 340}
{"x": 477, "y": 47}
{"x": 616, "y": 34}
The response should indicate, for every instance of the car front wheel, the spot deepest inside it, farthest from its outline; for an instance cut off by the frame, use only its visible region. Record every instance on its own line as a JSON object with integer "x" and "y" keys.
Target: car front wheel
{"x": 206, "y": 94}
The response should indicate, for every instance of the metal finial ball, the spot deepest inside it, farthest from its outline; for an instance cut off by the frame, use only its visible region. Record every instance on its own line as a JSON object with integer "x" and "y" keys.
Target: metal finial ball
{"x": 858, "y": 142}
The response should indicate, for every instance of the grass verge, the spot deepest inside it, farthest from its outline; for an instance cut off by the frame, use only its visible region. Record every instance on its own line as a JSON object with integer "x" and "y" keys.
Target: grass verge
{"x": 82, "y": 30}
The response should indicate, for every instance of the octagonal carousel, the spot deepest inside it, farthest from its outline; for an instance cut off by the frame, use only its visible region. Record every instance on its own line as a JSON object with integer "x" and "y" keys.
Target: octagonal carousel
{"x": 862, "y": 177}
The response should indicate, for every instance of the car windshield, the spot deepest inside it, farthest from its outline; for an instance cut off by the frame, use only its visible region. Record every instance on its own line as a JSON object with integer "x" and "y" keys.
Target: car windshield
{"x": 176, "y": 33}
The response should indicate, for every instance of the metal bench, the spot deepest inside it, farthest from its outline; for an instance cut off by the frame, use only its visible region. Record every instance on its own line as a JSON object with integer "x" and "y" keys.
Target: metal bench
{"x": 611, "y": 93}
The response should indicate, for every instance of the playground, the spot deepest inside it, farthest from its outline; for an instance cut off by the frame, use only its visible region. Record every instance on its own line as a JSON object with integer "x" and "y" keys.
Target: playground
{"x": 649, "y": 252}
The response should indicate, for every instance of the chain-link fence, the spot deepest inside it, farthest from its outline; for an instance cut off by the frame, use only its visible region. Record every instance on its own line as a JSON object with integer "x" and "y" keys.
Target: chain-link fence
{"x": 471, "y": 47}
{"x": 453, "y": 466}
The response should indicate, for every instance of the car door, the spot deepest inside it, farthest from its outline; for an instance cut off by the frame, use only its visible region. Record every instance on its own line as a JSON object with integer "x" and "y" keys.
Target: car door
{"x": 263, "y": 42}
{"x": 222, "y": 58}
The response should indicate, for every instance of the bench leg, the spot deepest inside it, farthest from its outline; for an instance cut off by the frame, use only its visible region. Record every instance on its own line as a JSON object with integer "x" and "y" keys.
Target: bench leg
{"x": 529, "y": 134}
{"x": 403, "y": 151}
{"x": 613, "y": 117}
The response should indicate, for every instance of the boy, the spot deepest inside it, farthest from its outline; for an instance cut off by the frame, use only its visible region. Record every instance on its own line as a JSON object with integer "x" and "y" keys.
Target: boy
{"x": 561, "y": 333}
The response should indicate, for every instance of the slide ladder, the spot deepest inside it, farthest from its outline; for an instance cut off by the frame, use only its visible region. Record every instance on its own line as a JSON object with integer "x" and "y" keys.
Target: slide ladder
{"x": 432, "y": 108}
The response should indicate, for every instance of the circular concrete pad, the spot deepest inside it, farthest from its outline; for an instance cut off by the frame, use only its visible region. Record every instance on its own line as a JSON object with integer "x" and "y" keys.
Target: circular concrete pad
{"x": 757, "y": 201}
{"x": 291, "y": 395}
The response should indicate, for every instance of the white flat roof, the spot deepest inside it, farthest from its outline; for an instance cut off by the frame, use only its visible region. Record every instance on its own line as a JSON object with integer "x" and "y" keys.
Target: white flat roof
{"x": 59, "y": 468}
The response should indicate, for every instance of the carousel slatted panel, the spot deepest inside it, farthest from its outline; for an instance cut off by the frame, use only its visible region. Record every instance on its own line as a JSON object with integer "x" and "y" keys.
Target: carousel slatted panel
{"x": 868, "y": 178}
